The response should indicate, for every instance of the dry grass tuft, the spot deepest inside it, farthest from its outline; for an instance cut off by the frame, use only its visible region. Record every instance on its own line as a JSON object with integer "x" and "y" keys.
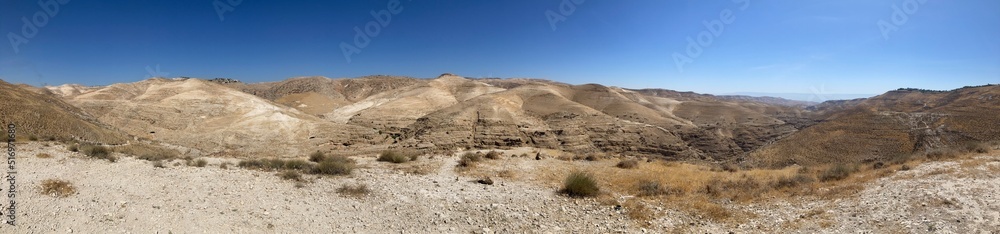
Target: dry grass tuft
{"x": 469, "y": 160}
{"x": 335, "y": 166}
{"x": 580, "y": 184}
{"x": 493, "y": 155}
{"x": 291, "y": 175}
{"x": 628, "y": 164}
{"x": 393, "y": 157}
{"x": 356, "y": 191}
{"x": 838, "y": 172}
{"x": 43, "y": 155}
{"x": 639, "y": 212}
{"x": 57, "y": 188}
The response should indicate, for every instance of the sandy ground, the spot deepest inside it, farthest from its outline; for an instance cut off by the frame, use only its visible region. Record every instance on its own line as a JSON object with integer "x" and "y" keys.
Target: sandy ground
{"x": 132, "y": 196}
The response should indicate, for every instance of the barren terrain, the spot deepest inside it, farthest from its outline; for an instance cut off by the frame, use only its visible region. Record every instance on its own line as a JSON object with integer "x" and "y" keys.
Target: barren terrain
{"x": 953, "y": 196}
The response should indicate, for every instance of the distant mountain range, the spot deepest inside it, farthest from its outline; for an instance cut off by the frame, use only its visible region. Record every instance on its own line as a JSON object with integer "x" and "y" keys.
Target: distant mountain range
{"x": 807, "y": 97}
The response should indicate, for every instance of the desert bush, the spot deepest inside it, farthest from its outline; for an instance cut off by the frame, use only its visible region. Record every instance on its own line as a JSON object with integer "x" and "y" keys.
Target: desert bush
{"x": 57, "y": 188}
{"x": 224, "y": 165}
{"x": 393, "y": 157}
{"x": 357, "y": 190}
{"x": 980, "y": 147}
{"x": 252, "y": 164}
{"x": 158, "y": 164}
{"x": 99, "y": 152}
{"x": 628, "y": 164}
{"x": 837, "y": 172}
{"x": 200, "y": 162}
{"x": 580, "y": 184}
{"x": 291, "y": 175}
{"x": 593, "y": 157}
{"x": 654, "y": 188}
{"x": 73, "y": 148}
{"x": 157, "y": 156}
{"x": 942, "y": 153}
{"x": 317, "y": 157}
{"x": 493, "y": 155}
{"x": 469, "y": 160}
{"x": 296, "y": 164}
{"x": 43, "y": 155}
{"x": 793, "y": 181}
{"x": 334, "y": 166}
{"x": 741, "y": 189}
{"x": 32, "y": 138}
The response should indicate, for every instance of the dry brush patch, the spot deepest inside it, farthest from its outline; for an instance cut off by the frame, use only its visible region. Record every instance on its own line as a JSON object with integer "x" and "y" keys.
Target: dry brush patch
{"x": 57, "y": 188}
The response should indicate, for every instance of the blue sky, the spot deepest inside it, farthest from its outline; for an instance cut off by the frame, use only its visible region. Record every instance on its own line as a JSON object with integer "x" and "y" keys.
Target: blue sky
{"x": 775, "y": 46}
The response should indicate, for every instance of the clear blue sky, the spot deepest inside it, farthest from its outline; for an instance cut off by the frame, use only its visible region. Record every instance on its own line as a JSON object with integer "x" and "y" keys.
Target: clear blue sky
{"x": 775, "y": 46}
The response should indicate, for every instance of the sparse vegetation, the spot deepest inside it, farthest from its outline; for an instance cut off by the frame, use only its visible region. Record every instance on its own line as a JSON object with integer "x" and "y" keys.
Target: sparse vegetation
{"x": 979, "y": 147}
{"x": 357, "y": 190}
{"x": 291, "y": 175}
{"x": 628, "y": 164}
{"x": 200, "y": 162}
{"x": 837, "y": 172}
{"x": 317, "y": 157}
{"x": 158, "y": 164}
{"x": 493, "y": 155}
{"x": 43, "y": 155}
{"x": 469, "y": 160}
{"x": 98, "y": 152}
{"x": 224, "y": 165}
{"x": 580, "y": 184}
{"x": 72, "y": 147}
{"x": 276, "y": 164}
{"x": 393, "y": 157}
{"x": 57, "y": 188}
{"x": 334, "y": 166}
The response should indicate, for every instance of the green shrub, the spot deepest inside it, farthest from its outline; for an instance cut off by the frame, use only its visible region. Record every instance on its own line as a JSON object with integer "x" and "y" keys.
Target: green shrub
{"x": 393, "y": 157}
{"x": 837, "y": 172}
{"x": 580, "y": 184}
{"x": 628, "y": 164}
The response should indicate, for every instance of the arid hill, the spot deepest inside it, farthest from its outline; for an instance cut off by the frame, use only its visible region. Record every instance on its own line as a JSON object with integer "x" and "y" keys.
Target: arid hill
{"x": 41, "y": 115}
{"x": 455, "y": 112}
{"x": 214, "y": 119}
{"x": 896, "y": 124}
{"x": 291, "y": 118}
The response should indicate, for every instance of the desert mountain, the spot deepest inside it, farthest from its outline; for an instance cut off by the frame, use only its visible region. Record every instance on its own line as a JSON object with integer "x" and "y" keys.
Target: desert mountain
{"x": 293, "y": 117}
{"x": 894, "y": 124}
{"x": 451, "y": 111}
{"x": 212, "y": 119}
{"x": 43, "y": 115}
